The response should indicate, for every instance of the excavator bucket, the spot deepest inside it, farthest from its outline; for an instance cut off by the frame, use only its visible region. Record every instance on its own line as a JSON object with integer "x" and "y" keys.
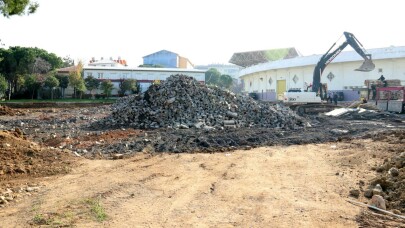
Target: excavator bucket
{"x": 367, "y": 66}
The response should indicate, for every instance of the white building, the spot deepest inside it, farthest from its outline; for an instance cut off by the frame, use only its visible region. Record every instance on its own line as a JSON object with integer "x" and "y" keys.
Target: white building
{"x": 270, "y": 80}
{"x": 145, "y": 76}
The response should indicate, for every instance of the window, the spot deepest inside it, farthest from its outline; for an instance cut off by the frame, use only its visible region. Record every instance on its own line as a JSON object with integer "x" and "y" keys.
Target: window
{"x": 100, "y": 75}
{"x": 89, "y": 74}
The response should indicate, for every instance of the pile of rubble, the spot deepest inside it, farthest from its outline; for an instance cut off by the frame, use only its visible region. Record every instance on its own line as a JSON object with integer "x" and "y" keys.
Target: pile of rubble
{"x": 389, "y": 185}
{"x": 182, "y": 102}
{"x": 16, "y": 194}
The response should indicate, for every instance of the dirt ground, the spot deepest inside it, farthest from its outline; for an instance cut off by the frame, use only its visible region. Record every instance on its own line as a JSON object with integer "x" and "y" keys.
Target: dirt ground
{"x": 248, "y": 185}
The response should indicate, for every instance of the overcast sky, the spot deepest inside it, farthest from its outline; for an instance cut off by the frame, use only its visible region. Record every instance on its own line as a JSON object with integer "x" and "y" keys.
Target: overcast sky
{"x": 208, "y": 31}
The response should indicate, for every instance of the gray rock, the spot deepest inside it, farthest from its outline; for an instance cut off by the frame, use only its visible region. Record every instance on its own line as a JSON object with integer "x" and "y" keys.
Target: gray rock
{"x": 183, "y": 126}
{"x": 355, "y": 193}
{"x": 393, "y": 172}
{"x": 368, "y": 193}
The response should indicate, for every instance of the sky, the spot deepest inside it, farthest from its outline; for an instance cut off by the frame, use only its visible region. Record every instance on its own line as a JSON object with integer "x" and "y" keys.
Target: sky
{"x": 204, "y": 31}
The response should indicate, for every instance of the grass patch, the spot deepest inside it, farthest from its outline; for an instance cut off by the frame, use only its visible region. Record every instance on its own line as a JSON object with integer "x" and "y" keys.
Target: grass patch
{"x": 66, "y": 216}
{"x": 40, "y": 219}
{"x": 97, "y": 209}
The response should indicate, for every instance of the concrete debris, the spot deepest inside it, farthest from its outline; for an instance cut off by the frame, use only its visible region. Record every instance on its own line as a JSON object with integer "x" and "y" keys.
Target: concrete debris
{"x": 9, "y": 195}
{"x": 181, "y": 102}
{"x": 343, "y": 111}
{"x": 378, "y": 201}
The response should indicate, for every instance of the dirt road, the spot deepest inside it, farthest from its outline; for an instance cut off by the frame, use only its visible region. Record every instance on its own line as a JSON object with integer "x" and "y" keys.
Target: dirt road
{"x": 294, "y": 186}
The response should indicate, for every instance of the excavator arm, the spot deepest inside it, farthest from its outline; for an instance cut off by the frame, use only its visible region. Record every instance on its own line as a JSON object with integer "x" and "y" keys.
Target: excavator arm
{"x": 328, "y": 57}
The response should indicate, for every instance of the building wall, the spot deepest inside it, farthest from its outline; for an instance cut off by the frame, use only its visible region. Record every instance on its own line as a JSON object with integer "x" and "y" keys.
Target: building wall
{"x": 164, "y": 58}
{"x": 184, "y": 63}
{"x": 145, "y": 76}
{"x": 342, "y": 77}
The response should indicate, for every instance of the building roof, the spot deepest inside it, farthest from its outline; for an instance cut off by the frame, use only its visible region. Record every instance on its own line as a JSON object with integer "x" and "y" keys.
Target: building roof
{"x": 345, "y": 56}
{"x": 66, "y": 69}
{"x": 89, "y": 67}
{"x": 159, "y": 52}
{"x": 250, "y": 58}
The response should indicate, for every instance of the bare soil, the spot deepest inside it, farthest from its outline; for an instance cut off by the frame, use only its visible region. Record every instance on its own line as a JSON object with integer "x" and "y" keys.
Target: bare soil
{"x": 241, "y": 177}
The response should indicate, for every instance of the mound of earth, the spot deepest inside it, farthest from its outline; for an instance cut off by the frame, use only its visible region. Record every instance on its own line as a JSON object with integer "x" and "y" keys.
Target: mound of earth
{"x": 183, "y": 102}
{"x": 21, "y": 158}
{"x": 6, "y": 111}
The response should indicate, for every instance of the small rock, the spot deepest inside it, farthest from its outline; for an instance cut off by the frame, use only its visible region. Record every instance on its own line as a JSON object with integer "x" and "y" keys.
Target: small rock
{"x": 355, "y": 193}
{"x": 393, "y": 172}
{"x": 368, "y": 193}
{"x": 377, "y": 191}
{"x": 395, "y": 211}
{"x": 183, "y": 126}
{"x": 339, "y": 131}
{"x": 380, "y": 169}
{"x": 118, "y": 156}
{"x": 378, "y": 201}
{"x": 30, "y": 189}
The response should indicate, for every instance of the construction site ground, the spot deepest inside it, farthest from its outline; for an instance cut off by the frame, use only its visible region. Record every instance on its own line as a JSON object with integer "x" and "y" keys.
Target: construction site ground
{"x": 57, "y": 169}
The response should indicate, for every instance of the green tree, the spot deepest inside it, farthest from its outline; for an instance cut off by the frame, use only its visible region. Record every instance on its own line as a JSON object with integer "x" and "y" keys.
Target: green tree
{"x": 76, "y": 80}
{"x": 20, "y": 61}
{"x": 81, "y": 87}
{"x": 63, "y": 83}
{"x": 67, "y": 61}
{"x": 92, "y": 84}
{"x": 16, "y": 63}
{"x": 51, "y": 82}
{"x": 225, "y": 81}
{"x": 17, "y": 7}
{"x": 127, "y": 85}
{"x": 212, "y": 76}
{"x": 33, "y": 83}
{"x": 107, "y": 87}
{"x": 3, "y": 86}
{"x": 137, "y": 88}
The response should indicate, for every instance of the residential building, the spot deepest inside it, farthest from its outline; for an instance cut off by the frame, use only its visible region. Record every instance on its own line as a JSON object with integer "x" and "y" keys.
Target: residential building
{"x": 145, "y": 76}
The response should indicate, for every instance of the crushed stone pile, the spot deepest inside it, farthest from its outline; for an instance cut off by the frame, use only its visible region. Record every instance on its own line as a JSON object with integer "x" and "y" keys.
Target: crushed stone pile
{"x": 181, "y": 102}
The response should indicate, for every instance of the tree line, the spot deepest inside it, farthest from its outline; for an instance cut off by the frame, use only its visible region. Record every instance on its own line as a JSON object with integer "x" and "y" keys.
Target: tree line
{"x": 27, "y": 72}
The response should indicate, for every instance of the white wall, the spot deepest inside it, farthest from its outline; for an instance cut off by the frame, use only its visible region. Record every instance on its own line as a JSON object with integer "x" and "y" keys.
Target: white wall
{"x": 144, "y": 76}
{"x": 344, "y": 73}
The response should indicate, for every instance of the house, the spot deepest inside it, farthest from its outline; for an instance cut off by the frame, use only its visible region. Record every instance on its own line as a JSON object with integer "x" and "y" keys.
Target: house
{"x": 144, "y": 75}
{"x": 167, "y": 59}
